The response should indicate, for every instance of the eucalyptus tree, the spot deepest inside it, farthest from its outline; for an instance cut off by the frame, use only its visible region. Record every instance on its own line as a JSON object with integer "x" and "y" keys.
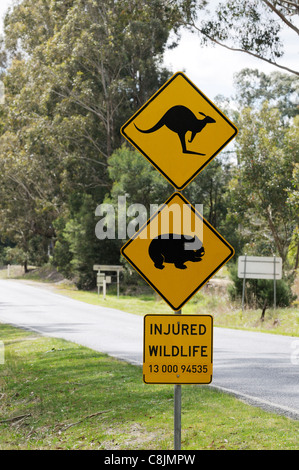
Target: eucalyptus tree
{"x": 253, "y": 27}
{"x": 74, "y": 71}
{"x": 268, "y": 153}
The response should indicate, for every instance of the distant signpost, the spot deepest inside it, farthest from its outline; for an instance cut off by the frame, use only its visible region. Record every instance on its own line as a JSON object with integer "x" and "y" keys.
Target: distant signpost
{"x": 259, "y": 267}
{"x": 102, "y": 279}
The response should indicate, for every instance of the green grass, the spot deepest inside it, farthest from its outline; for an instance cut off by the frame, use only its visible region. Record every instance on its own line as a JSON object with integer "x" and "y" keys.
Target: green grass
{"x": 58, "y": 395}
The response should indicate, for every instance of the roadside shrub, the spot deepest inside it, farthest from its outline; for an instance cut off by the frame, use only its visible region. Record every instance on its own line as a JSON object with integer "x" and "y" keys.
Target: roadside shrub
{"x": 260, "y": 292}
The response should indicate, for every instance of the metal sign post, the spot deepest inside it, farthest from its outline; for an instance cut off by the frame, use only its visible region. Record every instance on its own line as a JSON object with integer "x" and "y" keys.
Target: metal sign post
{"x": 177, "y": 411}
{"x": 178, "y": 349}
{"x": 177, "y": 416}
{"x": 274, "y": 276}
{"x": 102, "y": 268}
{"x": 244, "y": 281}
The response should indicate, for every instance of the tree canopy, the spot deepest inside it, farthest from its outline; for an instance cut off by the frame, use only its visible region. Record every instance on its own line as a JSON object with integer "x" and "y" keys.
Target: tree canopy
{"x": 74, "y": 71}
{"x": 254, "y": 27}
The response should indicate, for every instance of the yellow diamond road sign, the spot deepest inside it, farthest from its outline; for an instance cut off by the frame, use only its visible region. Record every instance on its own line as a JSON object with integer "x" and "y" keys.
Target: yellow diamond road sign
{"x": 178, "y": 349}
{"x": 177, "y": 251}
{"x": 179, "y": 130}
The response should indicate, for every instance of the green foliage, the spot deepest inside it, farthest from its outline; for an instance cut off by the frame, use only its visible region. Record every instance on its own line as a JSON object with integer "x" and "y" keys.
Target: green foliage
{"x": 209, "y": 188}
{"x": 77, "y": 248}
{"x": 74, "y": 72}
{"x": 264, "y": 180}
{"x": 253, "y": 27}
{"x": 131, "y": 174}
{"x": 15, "y": 256}
{"x": 248, "y": 25}
{"x": 278, "y": 89}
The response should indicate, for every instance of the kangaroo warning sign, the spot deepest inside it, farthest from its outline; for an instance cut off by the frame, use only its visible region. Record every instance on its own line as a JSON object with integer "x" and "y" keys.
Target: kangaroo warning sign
{"x": 177, "y": 251}
{"x": 178, "y": 349}
{"x": 179, "y": 130}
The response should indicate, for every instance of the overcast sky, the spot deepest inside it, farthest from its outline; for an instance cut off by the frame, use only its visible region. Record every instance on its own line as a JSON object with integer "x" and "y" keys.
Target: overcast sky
{"x": 212, "y": 68}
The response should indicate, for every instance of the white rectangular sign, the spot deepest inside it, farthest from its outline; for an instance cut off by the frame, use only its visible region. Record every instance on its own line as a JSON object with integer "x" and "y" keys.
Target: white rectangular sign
{"x": 259, "y": 267}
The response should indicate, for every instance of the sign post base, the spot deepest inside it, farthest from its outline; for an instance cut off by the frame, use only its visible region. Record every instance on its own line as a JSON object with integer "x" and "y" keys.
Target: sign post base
{"x": 177, "y": 412}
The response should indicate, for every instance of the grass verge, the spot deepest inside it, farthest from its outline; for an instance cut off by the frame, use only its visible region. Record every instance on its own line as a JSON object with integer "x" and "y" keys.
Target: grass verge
{"x": 58, "y": 395}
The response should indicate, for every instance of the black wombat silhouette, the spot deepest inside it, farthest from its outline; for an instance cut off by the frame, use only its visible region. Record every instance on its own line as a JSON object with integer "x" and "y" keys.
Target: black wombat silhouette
{"x": 171, "y": 248}
{"x": 180, "y": 119}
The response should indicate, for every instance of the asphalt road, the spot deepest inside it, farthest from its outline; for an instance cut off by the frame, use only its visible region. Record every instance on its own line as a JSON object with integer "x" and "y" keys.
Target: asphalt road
{"x": 261, "y": 369}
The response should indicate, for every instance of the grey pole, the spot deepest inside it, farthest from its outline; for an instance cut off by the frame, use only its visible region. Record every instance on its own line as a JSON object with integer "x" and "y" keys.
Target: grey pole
{"x": 177, "y": 412}
{"x": 274, "y": 282}
{"x": 244, "y": 280}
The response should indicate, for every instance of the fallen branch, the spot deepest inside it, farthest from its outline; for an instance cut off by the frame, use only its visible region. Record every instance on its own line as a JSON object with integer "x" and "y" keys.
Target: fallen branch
{"x": 64, "y": 427}
{"x": 15, "y": 419}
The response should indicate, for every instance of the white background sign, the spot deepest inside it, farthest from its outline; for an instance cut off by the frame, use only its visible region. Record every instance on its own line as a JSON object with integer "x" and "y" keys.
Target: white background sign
{"x": 259, "y": 267}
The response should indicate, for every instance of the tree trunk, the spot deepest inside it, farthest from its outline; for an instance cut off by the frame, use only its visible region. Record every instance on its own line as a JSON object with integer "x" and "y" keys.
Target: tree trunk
{"x": 297, "y": 258}
{"x": 264, "y": 310}
{"x": 26, "y": 270}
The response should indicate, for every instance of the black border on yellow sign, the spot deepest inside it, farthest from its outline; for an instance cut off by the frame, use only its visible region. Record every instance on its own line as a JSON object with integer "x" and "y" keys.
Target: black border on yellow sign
{"x": 181, "y": 317}
{"x": 123, "y": 131}
{"x": 232, "y": 252}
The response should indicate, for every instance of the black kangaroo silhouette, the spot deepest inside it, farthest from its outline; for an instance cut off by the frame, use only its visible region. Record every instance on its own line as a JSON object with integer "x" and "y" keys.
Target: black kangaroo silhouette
{"x": 180, "y": 119}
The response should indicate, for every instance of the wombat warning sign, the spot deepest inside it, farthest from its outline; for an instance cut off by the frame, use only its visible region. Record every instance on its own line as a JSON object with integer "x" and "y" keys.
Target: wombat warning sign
{"x": 177, "y": 251}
